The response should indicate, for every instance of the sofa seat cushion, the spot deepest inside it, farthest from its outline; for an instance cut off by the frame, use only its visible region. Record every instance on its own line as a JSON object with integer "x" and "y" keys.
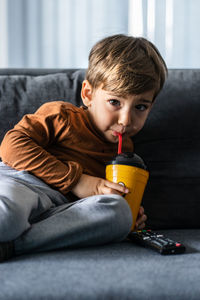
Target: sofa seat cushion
{"x": 115, "y": 271}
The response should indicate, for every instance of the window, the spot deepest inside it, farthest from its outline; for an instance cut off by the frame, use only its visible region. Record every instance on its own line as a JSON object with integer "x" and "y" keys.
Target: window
{"x": 60, "y": 33}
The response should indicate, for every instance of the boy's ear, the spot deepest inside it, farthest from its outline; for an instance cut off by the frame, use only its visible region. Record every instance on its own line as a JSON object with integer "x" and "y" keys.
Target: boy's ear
{"x": 86, "y": 93}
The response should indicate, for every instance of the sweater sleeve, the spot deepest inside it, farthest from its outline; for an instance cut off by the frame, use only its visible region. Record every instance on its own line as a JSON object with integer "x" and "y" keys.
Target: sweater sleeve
{"x": 25, "y": 148}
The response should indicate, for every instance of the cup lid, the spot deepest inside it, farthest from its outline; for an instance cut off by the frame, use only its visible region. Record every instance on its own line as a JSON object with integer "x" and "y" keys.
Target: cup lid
{"x": 129, "y": 159}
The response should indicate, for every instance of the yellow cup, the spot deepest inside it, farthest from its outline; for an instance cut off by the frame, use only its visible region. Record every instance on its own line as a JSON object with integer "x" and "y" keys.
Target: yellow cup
{"x": 129, "y": 170}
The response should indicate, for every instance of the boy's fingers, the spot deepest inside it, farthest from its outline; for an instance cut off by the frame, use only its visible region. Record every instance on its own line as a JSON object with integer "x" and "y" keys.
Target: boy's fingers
{"x": 108, "y": 190}
{"x": 141, "y": 220}
{"x": 116, "y": 186}
{"x": 141, "y": 210}
{"x": 140, "y": 226}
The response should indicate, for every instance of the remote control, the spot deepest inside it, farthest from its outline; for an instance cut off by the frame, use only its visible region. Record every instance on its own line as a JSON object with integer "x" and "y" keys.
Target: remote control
{"x": 156, "y": 241}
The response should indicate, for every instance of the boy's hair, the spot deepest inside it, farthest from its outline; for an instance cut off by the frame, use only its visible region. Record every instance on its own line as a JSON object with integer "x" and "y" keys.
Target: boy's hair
{"x": 126, "y": 65}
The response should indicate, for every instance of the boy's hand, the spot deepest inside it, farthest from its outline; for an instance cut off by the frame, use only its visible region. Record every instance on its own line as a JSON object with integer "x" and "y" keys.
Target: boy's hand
{"x": 141, "y": 218}
{"x": 90, "y": 185}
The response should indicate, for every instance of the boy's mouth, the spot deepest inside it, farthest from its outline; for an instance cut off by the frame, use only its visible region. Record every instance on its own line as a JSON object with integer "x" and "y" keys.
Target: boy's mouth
{"x": 116, "y": 133}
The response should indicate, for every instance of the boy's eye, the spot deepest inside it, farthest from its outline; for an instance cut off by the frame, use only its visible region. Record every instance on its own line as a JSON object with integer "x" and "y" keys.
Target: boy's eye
{"x": 114, "y": 102}
{"x": 141, "y": 107}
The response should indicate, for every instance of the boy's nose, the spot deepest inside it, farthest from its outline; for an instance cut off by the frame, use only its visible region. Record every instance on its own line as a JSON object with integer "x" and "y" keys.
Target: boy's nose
{"x": 124, "y": 119}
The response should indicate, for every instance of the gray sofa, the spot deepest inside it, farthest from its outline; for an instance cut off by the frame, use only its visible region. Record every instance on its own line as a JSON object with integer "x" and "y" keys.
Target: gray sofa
{"x": 170, "y": 145}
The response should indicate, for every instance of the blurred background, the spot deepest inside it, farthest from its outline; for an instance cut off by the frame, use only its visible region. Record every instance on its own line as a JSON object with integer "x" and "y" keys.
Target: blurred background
{"x": 60, "y": 33}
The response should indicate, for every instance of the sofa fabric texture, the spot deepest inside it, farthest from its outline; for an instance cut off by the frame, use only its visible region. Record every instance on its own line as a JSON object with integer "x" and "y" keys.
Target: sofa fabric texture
{"x": 169, "y": 143}
{"x": 27, "y": 92}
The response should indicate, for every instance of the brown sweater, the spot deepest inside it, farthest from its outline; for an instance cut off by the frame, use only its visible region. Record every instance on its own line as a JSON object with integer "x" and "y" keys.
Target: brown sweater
{"x": 57, "y": 144}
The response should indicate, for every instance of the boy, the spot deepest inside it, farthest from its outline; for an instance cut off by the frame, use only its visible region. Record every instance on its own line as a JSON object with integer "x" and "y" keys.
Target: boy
{"x": 52, "y": 188}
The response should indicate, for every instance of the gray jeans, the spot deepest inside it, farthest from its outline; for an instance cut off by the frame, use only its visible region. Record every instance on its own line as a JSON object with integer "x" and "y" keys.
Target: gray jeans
{"x": 39, "y": 218}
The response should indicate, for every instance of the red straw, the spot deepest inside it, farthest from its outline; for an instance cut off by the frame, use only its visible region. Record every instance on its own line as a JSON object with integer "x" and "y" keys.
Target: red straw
{"x": 120, "y": 143}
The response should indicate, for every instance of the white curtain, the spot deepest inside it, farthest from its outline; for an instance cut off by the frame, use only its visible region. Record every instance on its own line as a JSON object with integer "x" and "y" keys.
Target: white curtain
{"x": 173, "y": 25}
{"x": 60, "y": 33}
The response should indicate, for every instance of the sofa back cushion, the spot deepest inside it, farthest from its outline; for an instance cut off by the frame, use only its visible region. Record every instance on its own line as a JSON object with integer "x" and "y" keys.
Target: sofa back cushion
{"x": 170, "y": 145}
{"x": 169, "y": 142}
{"x": 24, "y": 91}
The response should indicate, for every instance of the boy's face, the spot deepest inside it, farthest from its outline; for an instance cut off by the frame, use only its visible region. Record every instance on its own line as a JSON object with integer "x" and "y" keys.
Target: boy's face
{"x": 111, "y": 114}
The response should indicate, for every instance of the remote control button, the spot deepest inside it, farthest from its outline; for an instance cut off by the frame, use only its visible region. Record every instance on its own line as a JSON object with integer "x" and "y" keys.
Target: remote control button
{"x": 157, "y": 243}
{"x": 163, "y": 241}
{"x": 169, "y": 241}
